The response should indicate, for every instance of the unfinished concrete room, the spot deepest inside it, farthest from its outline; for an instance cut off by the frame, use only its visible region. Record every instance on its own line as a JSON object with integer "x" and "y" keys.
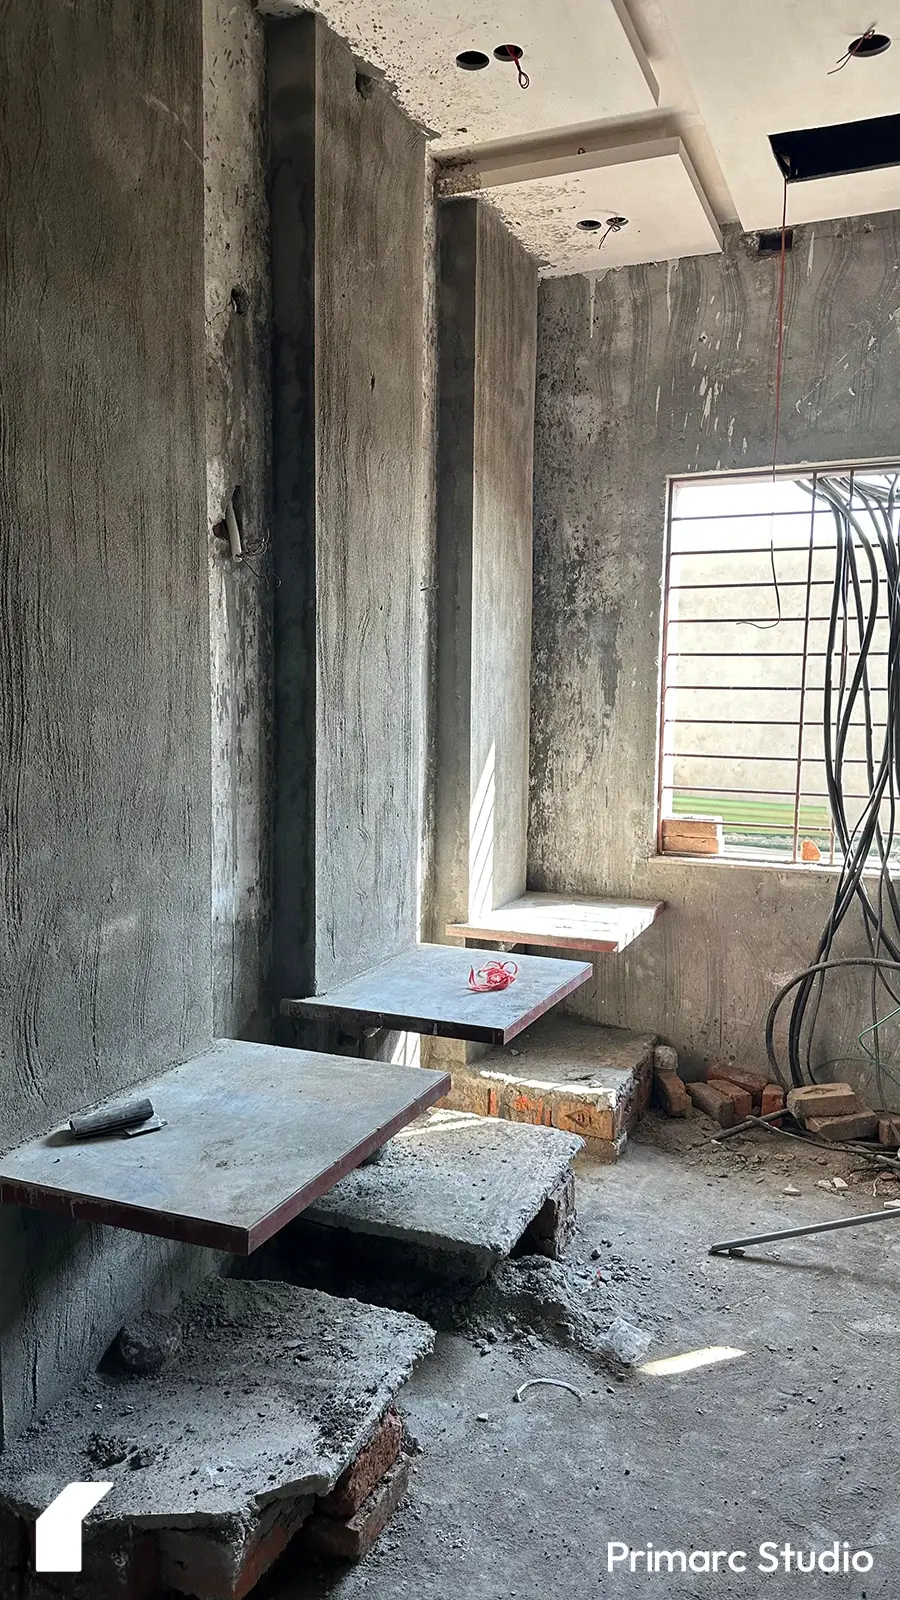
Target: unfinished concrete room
{"x": 449, "y": 791}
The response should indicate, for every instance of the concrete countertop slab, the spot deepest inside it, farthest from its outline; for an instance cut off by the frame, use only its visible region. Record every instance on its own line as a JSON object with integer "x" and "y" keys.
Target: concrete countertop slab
{"x": 426, "y": 990}
{"x": 254, "y": 1133}
{"x": 567, "y": 922}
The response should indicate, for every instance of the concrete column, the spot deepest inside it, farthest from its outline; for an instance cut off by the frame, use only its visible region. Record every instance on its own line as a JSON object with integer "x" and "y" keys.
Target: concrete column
{"x": 487, "y": 312}
{"x": 351, "y": 529}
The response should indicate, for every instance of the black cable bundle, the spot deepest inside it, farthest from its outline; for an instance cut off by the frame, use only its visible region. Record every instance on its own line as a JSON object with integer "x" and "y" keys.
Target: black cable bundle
{"x": 864, "y": 509}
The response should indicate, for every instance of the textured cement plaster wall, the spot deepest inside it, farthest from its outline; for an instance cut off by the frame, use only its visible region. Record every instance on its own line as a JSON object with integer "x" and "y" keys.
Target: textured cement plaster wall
{"x": 670, "y": 369}
{"x": 238, "y": 453}
{"x": 487, "y": 314}
{"x": 352, "y": 529}
{"x": 504, "y": 377}
{"x": 105, "y": 964}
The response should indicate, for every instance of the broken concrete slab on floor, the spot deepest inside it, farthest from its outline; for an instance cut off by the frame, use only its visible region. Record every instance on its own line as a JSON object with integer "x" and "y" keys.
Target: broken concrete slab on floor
{"x": 565, "y": 1074}
{"x": 217, "y": 1461}
{"x": 462, "y": 1186}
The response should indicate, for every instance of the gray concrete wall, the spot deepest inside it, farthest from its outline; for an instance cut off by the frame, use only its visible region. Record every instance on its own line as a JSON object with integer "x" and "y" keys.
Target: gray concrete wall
{"x": 238, "y": 454}
{"x": 352, "y": 524}
{"x": 669, "y": 369}
{"x": 505, "y": 354}
{"x": 487, "y": 310}
{"x": 105, "y": 962}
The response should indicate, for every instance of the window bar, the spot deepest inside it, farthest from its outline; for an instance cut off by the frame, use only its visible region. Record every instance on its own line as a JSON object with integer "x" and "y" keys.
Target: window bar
{"x": 803, "y": 671}
{"x": 665, "y": 765}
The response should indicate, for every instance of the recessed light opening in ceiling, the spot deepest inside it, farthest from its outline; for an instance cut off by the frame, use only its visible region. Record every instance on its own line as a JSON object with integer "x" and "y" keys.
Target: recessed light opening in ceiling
{"x": 838, "y": 151}
{"x": 472, "y": 60}
{"x": 589, "y": 224}
{"x": 508, "y": 52}
{"x": 869, "y": 44}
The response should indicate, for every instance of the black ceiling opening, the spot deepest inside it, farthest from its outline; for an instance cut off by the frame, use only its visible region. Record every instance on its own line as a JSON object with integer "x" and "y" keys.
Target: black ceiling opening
{"x": 838, "y": 151}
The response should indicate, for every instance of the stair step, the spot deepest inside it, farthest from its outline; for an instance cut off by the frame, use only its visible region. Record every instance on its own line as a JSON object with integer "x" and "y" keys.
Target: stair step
{"x": 562, "y": 1073}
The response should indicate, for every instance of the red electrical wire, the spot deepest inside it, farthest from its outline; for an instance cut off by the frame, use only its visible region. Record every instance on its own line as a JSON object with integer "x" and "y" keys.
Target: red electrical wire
{"x": 493, "y": 975}
{"x": 514, "y": 54}
{"x": 779, "y": 373}
{"x": 779, "y": 360}
{"x": 854, "y": 49}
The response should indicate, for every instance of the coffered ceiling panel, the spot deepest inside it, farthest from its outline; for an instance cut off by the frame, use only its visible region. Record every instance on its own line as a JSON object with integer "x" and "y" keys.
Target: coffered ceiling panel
{"x": 768, "y": 67}
{"x": 654, "y": 187}
{"x": 585, "y": 62}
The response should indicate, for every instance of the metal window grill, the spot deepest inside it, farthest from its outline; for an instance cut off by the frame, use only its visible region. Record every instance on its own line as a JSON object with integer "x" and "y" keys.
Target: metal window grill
{"x": 748, "y": 595}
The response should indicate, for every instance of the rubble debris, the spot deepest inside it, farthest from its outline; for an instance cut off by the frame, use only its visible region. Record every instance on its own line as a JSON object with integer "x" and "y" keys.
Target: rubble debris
{"x": 218, "y": 1461}
{"x": 625, "y": 1343}
{"x": 147, "y": 1343}
{"x": 889, "y": 1132}
{"x": 533, "y": 1300}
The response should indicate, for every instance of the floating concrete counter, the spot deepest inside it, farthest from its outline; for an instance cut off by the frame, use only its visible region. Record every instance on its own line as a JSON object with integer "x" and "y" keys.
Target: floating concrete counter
{"x": 254, "y": 1133}
{"x": 426, "y": 990}
{"x": 568, "y": 922}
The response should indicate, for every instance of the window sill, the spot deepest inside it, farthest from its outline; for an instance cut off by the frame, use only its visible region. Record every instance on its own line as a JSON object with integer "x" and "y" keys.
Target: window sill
{"x": 805, "y": 868}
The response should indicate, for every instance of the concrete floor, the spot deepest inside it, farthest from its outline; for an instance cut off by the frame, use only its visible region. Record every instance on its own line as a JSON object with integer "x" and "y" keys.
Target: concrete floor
{"x": 794, "y": 1441}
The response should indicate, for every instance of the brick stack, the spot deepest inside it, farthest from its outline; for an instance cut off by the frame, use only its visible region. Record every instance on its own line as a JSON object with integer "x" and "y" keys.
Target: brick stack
{"x": 728, "y": 1093}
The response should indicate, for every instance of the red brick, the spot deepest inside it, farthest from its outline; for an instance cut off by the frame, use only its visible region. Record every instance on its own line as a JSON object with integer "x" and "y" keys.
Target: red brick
{"x": 753, "y": 1082}
{"x": 823, "y": 1100}
{"x": 375, "y": 1458}
{"x": 670, "y": 1093}
{"x": 740, "y": 1099}
{"x": 351, "y": 1539}
{"x": 889, "y": 1132}
{"x": 772, "y": 1099}
{"x": 714, "y": 1101}
{"x": 863, "y": 1126}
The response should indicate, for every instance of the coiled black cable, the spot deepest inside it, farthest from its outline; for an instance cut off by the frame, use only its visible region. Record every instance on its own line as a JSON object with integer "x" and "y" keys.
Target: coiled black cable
{"x": 864, "y": 509}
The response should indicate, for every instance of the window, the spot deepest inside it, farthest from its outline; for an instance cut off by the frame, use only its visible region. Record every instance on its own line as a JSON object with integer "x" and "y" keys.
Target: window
{"x": 778, "y": 667}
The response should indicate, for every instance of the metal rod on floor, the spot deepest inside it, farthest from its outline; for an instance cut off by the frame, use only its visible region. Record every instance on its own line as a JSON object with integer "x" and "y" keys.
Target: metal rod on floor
{"x": 748, "y": 1124}
{"x": 728, "y": 1246}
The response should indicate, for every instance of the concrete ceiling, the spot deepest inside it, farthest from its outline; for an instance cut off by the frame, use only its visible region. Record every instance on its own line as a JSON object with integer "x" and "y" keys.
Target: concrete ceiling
{"x": 611, "y": 82}
{"x": 766, "y": 68}
{"x": 656, "y": 190}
